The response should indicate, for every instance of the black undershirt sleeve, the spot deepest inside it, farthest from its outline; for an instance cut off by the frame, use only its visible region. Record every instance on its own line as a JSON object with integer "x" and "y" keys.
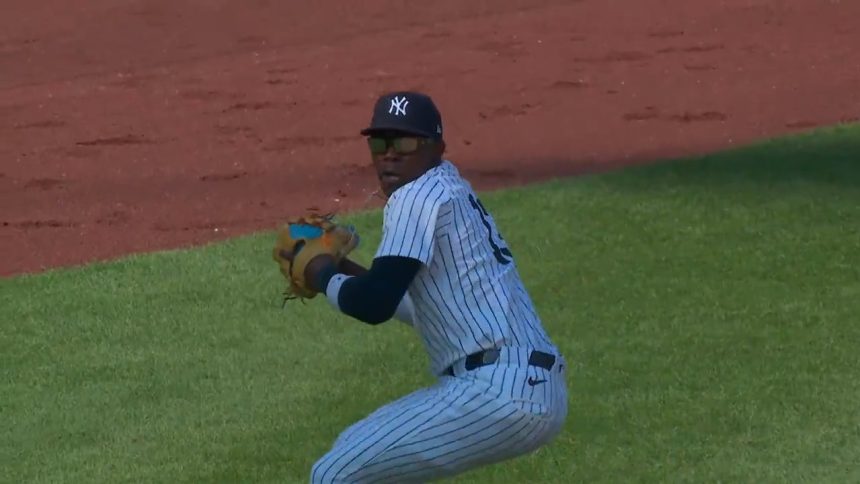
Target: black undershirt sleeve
{"x": 373, "y": 297}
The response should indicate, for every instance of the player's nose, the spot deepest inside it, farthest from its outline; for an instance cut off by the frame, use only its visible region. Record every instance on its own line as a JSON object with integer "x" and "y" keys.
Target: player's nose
{"x": 390, "y": 154}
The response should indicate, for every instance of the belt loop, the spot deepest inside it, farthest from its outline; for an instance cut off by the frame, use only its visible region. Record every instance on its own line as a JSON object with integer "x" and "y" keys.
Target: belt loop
{"x": 490, "y": 356}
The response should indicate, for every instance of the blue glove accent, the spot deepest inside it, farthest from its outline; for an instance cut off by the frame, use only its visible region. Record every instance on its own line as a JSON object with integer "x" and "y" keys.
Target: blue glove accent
{"x": 301, "y": 231}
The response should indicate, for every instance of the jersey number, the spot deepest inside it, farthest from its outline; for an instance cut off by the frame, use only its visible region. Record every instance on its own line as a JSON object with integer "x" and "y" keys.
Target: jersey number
{"x": 502, "y": 253}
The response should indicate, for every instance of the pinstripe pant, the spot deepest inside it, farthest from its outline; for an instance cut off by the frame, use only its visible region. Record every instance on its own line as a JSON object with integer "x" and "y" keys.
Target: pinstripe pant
{"x": 472, "y": 419}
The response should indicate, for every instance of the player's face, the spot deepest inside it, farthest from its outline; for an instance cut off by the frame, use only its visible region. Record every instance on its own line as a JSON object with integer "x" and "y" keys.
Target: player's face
{"x": 400, "y": 158}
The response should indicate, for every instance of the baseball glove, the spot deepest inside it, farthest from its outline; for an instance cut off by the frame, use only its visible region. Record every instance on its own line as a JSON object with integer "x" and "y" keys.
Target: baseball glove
{"x": 303, "y": 238}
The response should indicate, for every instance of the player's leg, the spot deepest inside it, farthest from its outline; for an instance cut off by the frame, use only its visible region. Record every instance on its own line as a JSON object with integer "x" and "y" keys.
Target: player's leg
{"x": 501, "y": 422}
{"x": 485, "y": 416}
{"x": 376, "y": 418}
{"x": 366, "y": 438}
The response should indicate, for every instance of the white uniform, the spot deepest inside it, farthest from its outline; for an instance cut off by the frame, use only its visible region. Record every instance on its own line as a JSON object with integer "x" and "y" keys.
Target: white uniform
{"x": 467, "y": 297}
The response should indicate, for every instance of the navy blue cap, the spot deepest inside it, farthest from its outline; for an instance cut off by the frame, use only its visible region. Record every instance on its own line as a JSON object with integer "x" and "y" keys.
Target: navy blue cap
{"x": 407, "y": 111}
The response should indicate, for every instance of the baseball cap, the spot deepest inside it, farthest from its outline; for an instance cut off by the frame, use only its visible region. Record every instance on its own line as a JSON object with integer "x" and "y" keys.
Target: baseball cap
{"x": 408, "y": 111}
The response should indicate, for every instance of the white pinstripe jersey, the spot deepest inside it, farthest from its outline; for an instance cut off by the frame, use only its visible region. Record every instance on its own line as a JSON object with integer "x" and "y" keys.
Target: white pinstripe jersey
{"x": 468, "y": 295}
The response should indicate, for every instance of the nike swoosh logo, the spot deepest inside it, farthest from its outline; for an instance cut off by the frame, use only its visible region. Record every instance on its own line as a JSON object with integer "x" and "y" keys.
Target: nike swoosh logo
{"x": 532, "y": 382}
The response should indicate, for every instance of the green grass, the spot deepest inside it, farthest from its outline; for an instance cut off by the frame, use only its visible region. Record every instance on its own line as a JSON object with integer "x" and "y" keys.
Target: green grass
{"x": 709, "y": 309}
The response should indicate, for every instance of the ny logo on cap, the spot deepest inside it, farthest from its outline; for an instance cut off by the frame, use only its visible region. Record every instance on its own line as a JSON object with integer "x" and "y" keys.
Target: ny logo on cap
{"x": 398, "y": 106}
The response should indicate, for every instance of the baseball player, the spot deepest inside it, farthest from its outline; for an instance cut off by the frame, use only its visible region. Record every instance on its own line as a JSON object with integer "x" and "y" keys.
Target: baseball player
{"x": 443, "y": 267}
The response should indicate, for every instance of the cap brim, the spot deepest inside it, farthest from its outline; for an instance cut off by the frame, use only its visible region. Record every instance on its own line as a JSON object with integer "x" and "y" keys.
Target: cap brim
{"x": 401, "y": 129}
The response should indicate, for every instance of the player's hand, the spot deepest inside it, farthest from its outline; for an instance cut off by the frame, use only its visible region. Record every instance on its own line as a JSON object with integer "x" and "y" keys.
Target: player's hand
{"x": 315, "y": 266}
{"x": 300, "y": 241}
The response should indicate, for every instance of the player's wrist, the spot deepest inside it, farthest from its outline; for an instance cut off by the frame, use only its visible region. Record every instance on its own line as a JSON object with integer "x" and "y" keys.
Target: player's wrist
{"x": 319, "y": 272}
{"x": 332, "y": 290}
{"x": 351, "y": 268}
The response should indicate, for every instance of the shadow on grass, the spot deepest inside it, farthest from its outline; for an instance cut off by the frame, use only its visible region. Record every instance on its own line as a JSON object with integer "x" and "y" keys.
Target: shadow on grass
{"x": 827, "y": 156}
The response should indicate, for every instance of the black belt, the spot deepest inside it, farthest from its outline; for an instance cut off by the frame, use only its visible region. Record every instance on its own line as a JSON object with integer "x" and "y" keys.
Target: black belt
{"x": 488, "y": 357}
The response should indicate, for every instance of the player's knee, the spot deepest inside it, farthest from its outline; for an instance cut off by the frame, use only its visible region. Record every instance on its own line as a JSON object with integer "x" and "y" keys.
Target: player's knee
{"x": 556, "y": 425}
{"x": 324, "y": 471}
{"x": 318, "y": 472}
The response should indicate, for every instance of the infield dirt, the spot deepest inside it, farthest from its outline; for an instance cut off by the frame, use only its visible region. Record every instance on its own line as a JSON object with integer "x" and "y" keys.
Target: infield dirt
{"x": 143, "y": 125}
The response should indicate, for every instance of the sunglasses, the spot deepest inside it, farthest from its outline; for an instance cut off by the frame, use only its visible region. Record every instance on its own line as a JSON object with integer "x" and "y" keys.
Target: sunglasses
{"x": 402, "y": 144}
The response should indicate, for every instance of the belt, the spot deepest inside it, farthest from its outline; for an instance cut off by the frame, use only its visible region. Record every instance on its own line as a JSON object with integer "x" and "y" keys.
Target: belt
{"x": 488, "y": 357}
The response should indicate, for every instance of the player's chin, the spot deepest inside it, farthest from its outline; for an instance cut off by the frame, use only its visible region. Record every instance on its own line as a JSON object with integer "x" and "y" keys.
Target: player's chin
{"x": 389, "y": 183}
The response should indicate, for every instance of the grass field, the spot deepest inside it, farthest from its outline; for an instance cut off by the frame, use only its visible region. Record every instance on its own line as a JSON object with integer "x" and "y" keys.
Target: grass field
{"x": 709, "y": 309}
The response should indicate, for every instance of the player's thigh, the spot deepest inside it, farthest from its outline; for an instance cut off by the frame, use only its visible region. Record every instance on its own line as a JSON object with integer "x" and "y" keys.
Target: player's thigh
{"x": 368, "y": 438}
{"x": 380, "y": 415}
{"x": 464, "y": 435}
